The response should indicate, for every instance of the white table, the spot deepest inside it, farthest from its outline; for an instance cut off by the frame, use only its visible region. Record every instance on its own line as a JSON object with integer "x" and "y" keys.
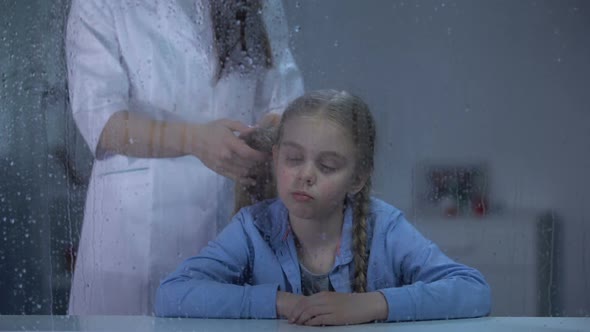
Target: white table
{"x": 142, "y": 323}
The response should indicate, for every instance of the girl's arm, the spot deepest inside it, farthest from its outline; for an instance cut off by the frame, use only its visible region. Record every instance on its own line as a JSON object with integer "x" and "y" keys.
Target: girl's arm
{"x": 213, "y": 284}
{"x": 435, "y": 287}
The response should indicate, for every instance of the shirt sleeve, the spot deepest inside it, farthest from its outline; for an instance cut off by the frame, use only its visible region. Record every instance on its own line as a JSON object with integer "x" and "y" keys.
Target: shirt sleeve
{"x": 433, "y": 285}
{"x": 213, "y": 284}
{"x": 97, "y": 82}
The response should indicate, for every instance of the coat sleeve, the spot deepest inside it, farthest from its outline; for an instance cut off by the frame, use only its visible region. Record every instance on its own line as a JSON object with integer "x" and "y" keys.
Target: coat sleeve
{"x": 97, "y": 82}
{"x": 433, "y": 285}
{"x": 214, "y": 284}
{"x": 283, "y": 82}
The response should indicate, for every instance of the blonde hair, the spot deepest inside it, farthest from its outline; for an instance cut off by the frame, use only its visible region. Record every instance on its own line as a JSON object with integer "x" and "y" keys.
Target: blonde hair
{"x": 353, "y": 115}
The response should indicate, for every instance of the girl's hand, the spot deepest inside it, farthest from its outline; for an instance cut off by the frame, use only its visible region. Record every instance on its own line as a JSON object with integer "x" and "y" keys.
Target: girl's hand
{"x": 286, "y": 302}
{"x": 331, "y": 308}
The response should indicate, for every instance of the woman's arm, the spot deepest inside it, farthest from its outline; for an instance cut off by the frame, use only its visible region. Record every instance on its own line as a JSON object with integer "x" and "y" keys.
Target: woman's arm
{"x": 214, "y": 283}
{"x": 214, "y": 143}
{"x": 99, "y": 88}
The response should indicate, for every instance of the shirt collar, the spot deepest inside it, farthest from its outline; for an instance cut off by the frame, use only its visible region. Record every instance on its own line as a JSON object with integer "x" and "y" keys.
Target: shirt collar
{"x": 278, "y": 230}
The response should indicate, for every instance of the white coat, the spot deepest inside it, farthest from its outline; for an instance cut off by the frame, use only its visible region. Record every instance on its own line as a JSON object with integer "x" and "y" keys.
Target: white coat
{"x": 144, "y": 216}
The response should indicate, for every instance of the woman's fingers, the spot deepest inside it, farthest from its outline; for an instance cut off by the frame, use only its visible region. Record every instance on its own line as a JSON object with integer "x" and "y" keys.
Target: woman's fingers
{"x": 227, "y": 154}
{"x": 245, "y": 155}
{"x": 236, "y": 126}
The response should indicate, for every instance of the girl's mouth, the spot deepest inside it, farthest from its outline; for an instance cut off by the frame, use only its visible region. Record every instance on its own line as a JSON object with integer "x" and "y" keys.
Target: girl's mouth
{"x": 301, "y": 196}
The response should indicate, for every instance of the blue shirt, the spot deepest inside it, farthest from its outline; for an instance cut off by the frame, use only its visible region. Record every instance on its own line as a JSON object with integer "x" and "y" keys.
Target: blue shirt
{"x": 239, "y": 273}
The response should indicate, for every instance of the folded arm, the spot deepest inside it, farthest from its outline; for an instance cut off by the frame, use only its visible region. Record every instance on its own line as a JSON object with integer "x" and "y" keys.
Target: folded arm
{"x": 214, "y": 284}
{"x": 435, "y": 287}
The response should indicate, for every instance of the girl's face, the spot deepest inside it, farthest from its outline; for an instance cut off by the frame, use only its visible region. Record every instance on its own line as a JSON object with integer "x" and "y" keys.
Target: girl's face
{"x": 314, "y": 166}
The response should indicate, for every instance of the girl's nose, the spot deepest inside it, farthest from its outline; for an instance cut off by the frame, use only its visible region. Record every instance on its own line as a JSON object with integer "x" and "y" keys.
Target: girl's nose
{"x": 307, "y": 175}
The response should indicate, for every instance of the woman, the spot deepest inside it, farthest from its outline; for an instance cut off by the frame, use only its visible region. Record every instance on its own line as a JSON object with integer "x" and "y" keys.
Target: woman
{"x": 153, "y": 86}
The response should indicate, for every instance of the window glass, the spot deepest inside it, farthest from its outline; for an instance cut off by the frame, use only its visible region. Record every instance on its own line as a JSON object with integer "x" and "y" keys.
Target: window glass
{"x": 482, "y": 120}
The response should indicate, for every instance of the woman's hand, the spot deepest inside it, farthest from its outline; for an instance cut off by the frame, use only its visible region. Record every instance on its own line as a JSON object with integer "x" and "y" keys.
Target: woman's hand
{"x": 270, "y": 120}
{"x": 331, "y": 308}
{"x": 216, "y": 145}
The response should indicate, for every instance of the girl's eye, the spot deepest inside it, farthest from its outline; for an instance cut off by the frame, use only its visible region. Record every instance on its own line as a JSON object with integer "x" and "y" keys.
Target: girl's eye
{"x": 327, "y": 169}
{"x": 293, "y": 159}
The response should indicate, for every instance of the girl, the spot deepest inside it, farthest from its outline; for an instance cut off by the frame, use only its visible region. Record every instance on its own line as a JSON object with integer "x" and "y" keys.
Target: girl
{"x": 324, "y": 252}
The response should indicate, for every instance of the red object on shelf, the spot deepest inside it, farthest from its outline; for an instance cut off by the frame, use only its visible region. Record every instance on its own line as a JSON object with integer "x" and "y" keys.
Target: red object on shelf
{"x": 480, "y": 206}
